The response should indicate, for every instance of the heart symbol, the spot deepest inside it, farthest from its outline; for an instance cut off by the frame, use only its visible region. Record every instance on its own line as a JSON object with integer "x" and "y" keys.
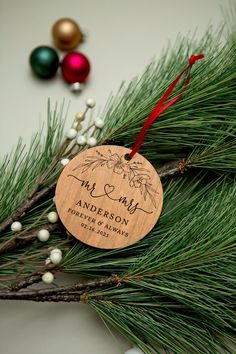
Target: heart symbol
{"x": 108, "y": 188}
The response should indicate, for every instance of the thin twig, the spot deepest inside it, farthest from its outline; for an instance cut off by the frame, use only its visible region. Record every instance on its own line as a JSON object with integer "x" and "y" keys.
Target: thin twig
{"x": 31, "y": 279}
{"x": 67, "y": 141}
{"x": 18, "y": 241}
{"x": 27, "y": 281}
{"x": 32, "y": 256}
{"x": 83, "y": 285}
{"x": 34, "y": 297}
{"x": 25, "y": 206}
{"x": 62, "y": 149}
{"x": 173, "y": 168}
{"x": 22, "y": 234}
{"x": 63, "y": 293}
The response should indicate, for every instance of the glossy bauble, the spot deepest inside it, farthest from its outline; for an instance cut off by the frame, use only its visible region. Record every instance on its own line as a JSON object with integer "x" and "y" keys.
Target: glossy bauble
{"x": 75, "y": 67}
{"x": 66, "y": 34}
{"x": 44, "y": 62}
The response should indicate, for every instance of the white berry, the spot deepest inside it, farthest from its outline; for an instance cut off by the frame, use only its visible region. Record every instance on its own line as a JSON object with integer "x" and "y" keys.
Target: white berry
{"x": 56, "y": 250}
{"x": 99, "y": 123}
{"x": 81, "y": 140}
{"x": 47, "y": 278}
{"x": 55, "y": 257}
{"x": 134, "y": 350}
{"x": 91, "y": 141}
{"x": 16, "y": 226}
{"x": 52, "y": 217}
{"x": 71, "y": 134}
{"x": 64, "y": 162}
{"x": 90, "y": 102}
{"x": 43, "y": 235}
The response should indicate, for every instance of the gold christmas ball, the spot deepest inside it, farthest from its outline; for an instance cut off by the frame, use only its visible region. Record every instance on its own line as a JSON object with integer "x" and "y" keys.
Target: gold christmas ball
{"x": 66, "y": 34}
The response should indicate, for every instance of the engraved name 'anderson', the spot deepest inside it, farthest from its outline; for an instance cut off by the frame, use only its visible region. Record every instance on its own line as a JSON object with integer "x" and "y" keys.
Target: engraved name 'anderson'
{"x": 102, "y": 212}
{"x": 108, "y": 191}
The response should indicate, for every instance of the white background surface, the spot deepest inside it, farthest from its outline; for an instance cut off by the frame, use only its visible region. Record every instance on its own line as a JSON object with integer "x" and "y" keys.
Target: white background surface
{"x": 122, "y": 37}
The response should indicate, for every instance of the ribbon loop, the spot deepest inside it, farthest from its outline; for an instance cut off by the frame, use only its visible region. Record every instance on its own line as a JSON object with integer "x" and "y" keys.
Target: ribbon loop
{"x": 194, "y": 58}
{"x": 160, "y": 107}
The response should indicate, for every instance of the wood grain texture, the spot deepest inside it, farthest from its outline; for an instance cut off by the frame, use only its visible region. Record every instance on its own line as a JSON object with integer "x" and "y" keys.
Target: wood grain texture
{"x": 107, "y": 201}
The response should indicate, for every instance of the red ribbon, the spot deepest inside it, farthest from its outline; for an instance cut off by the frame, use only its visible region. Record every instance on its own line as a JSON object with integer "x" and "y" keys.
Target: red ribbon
{"x": 160, "y": 108}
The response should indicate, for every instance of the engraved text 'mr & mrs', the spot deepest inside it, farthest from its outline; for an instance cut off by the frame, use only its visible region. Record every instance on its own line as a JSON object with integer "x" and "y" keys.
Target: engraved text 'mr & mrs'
{"x": 110, "y": 192}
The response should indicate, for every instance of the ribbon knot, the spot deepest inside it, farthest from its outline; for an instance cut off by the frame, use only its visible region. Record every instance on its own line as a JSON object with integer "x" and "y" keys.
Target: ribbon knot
{"x": 194, "y": 58}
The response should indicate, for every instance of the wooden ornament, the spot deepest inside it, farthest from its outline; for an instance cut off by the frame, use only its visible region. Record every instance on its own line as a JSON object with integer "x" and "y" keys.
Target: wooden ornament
{"x": 106, "y": 200}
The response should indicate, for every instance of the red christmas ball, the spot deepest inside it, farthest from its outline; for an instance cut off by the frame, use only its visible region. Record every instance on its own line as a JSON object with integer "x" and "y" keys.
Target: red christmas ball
{"x": 75, "y": 67}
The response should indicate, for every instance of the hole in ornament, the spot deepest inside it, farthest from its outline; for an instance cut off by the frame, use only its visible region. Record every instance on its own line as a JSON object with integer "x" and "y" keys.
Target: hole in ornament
{"x": 127, "y": 157}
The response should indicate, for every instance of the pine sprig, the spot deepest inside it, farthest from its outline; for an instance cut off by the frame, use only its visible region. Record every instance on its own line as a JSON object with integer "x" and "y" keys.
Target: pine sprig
{"x": 207, "y": 106}
{"x": 181, "y": 293}
{"x": 21, "y": 171}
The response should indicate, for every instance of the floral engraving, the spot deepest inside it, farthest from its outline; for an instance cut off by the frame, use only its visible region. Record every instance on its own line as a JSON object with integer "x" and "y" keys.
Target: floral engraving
{"x": 137, "y": 176}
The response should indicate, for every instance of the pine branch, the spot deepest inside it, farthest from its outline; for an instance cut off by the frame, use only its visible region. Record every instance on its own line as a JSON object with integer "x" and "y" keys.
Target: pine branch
{"x": 21, "y": 171}
{"x": 173, "y": 168}
{"x": 29, "y": 203}
{"x": 27, "y": 281}
{"x": 78, "y": 297}
{"x": 184, "y": 286}
{"x": 18, "y": 241}
{"x": 52, "y": 293}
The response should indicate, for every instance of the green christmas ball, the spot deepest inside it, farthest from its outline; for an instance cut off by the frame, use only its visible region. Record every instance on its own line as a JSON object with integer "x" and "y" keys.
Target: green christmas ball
{"x": 44, "y": 62}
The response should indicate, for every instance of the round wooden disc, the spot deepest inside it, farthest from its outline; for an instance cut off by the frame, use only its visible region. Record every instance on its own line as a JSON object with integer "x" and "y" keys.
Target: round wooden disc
{"x": 107, "y": 201}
